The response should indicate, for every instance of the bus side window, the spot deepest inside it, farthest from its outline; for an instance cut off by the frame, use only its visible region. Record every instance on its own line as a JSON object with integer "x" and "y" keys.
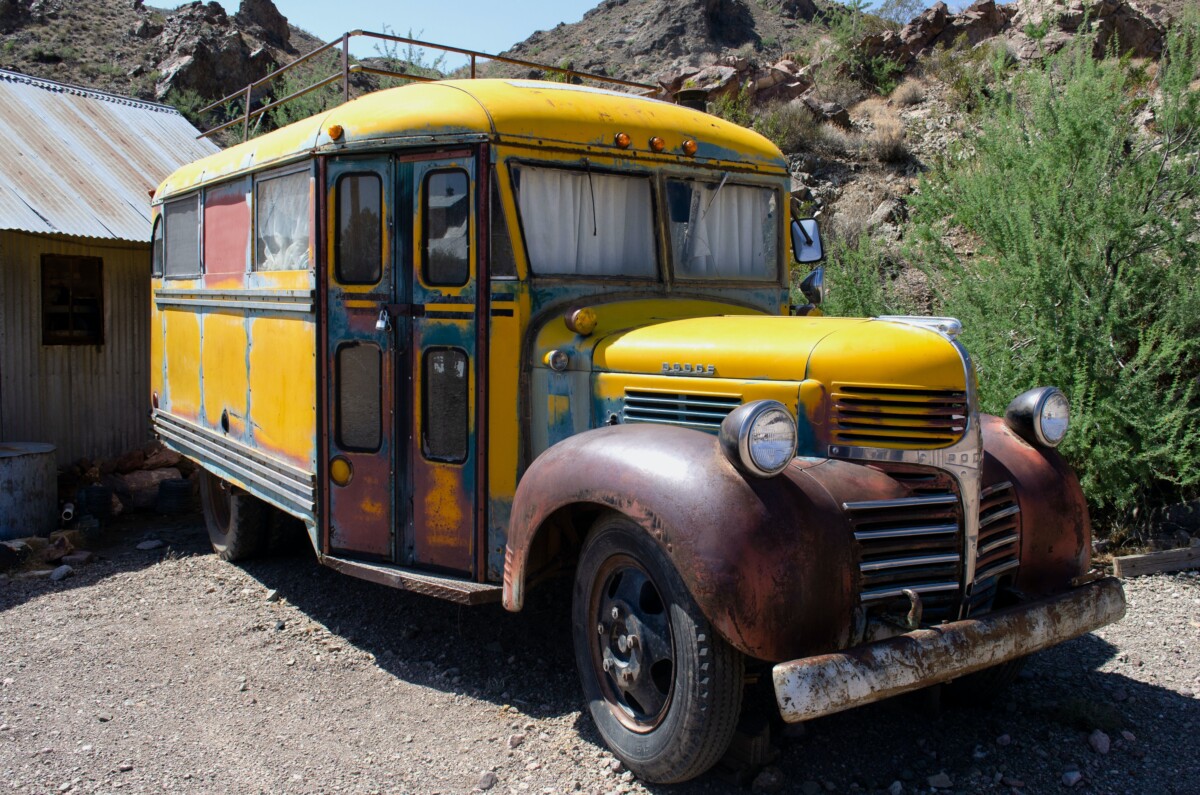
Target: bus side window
{"x": 227, "y": 228}
{"x": 504, "y": 264}
{"x": 156, "y": 249}
{"x": 359, "y": 229}
{"x": 182, "y": 233}
{"x": 447, "y": 221}
{"x": 282, "y": 216}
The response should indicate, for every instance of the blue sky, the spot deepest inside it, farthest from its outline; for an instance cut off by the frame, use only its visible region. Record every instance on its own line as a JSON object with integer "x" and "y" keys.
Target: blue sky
{"x": 472, "y": 24}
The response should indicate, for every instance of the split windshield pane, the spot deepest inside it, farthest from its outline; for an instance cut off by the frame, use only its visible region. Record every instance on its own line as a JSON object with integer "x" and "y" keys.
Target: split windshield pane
{"x": 723, "y": 231}
{"x": 586, "y": 223}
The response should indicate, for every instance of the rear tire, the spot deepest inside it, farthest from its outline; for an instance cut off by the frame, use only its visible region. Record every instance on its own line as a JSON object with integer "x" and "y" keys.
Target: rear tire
{"x": 236, "y": 521}
{"x": 664, "y": 690}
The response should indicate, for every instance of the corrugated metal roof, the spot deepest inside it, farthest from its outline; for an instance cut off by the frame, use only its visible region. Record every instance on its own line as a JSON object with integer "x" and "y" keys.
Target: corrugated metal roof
{"x": 77, "y": 161}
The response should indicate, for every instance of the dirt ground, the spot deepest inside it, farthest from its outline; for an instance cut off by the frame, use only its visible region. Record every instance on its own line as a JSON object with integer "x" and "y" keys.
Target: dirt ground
{"x": 169, "y": 670}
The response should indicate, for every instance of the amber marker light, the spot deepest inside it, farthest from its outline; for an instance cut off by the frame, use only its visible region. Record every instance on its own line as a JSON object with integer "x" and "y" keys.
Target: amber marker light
{"x": 581, "y": 321}
{"x": 621, "y": 140}
{"x": 335, "y": 132}
{"x": 340, "y": 471}
{"x": 657, "y": 144}
{"x": 689, "y": 148}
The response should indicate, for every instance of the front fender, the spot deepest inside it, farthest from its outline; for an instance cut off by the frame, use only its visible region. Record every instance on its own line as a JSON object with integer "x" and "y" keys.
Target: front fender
{"x": 768, "y": 561}
{"x": 1056, "y": 533}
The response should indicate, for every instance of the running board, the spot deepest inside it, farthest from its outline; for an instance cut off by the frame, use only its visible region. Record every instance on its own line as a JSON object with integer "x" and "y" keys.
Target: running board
{"x": 453, "y": 589}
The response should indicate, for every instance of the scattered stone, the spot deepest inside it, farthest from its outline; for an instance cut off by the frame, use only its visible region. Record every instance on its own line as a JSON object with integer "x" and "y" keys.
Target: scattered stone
{"x": 34, "y": 574}
{"x": 125, "y": 767}
{"x": 1100, "y": 742}
{"x": 940, "y": 781}
{"x": 769, "y": 780}
{"x": 61, "y": 573}
{"x": 1128, "y": 736}
{"x": 153, "y": 543}
{"x": 896, "y": 788}
{"x": 273, "y": 595}
{"x": 1003, "y": 740}
{"x": 487, "y": 781}
{"x": 515, "y": 740}
{"x": 104, "y": 717}
{"x": 1071, "y": 778}
{"x": 280, "y": 625}
{"x": 79, "y": 557}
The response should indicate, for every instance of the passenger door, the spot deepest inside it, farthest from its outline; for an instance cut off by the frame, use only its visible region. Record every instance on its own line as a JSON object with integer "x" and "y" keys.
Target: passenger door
{"x": 445, "y": 392}
{"x": 365, "y": 360}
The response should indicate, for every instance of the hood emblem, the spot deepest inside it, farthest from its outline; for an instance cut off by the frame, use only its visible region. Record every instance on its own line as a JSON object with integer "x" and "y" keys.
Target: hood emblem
{"x": 689, "y": 369}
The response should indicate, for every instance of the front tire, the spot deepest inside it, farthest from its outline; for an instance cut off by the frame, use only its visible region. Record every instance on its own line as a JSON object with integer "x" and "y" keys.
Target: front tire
{"x": 236, "y": 521}
{"x": 664, "y": 690}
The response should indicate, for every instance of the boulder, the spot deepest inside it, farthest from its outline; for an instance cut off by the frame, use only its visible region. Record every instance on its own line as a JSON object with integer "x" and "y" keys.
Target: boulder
{"x": 263, "y": 15}
{"x": 717, "y": 80}
{"x": 200, "y": 50}
{"x": 828, "y": 111}
{"x": 14, "y": 14}
{"x": 130, "y": 461}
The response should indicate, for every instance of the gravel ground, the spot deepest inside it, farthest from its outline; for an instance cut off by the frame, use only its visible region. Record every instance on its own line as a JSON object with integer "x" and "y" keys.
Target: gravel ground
{"x": 168, "y": 670}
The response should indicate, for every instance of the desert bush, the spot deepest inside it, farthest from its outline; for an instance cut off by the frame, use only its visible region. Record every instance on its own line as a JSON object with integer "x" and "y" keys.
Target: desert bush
{"x": 734, "y": 107}
{"x": 970, "y": 73}
{"x": 909, "y": 93}
{"x": 1088, "y": 275}
{"x": 838, "y": 141}
{"x": 789, "y": 125}
{"x": 886, "y": 142}
{"x": 864, "y": 279}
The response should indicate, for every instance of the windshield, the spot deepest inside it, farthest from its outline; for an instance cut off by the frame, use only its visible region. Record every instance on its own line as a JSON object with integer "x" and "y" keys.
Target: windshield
{"x": 723, "y": 231}
{"x": 586, "y": 223}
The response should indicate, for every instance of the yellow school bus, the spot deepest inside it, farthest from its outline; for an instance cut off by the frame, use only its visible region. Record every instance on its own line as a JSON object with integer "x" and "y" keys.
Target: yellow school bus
{"x": 479, "y": 333}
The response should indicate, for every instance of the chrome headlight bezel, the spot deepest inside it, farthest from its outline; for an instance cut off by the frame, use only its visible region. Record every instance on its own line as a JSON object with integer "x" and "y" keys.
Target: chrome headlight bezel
{"x": 737, "y": 436}
{"x": 1027, "y": 415}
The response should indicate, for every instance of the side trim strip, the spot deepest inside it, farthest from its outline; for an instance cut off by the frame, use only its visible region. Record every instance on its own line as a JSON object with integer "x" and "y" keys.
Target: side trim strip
{"x": 285, "y": 484}
{"x": 273, "y": 300}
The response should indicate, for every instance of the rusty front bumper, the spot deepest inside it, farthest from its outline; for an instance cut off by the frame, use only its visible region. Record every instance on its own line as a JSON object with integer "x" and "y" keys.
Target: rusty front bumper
{"x": 828, "y": 683}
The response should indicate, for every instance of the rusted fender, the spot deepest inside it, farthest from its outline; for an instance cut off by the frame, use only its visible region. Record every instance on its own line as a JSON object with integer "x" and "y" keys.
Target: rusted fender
{"x": 1056, "y": 533}
{"x": 822, "y": 685}
{"x": 769, "y": 562}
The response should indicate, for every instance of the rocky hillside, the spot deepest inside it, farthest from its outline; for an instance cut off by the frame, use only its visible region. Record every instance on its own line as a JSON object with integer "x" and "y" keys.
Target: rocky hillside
{"x": 197, "y": 50}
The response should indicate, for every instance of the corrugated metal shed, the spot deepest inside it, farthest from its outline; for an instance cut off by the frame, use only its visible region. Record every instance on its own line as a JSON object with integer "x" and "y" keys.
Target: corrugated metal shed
{"x": 77, "y": 161}
{"x": 88, "y": 400}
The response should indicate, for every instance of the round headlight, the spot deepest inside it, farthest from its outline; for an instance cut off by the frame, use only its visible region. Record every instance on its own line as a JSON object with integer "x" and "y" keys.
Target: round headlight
{"x": 759, "y": 438}
{"x": 1040, "y": 416}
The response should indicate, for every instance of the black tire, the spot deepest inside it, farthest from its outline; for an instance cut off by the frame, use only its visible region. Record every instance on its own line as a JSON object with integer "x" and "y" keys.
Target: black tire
{"x": 237, "y": 521}
{"x": 667, "y": 703}
{"x": 983, "y": 687}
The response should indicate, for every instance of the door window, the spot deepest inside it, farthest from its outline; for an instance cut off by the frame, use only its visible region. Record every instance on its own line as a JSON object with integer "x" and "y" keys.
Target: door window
{"x": 360, "y": 229}
{"x": 446, "y": 215}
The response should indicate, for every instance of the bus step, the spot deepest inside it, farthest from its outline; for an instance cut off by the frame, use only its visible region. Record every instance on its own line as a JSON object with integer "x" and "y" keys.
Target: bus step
{"x": 454, "y": 589}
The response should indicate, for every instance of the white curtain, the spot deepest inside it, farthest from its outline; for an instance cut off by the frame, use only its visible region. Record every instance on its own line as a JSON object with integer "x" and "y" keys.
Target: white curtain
{"x": 283, "y": 218}
{"x": 569, "y": 235}
{"x": 730, "y": 234}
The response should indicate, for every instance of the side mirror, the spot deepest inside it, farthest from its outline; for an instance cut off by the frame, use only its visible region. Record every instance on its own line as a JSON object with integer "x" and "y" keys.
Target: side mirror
{"x": 813, "y": 285}
{"x": 806, "y": 241}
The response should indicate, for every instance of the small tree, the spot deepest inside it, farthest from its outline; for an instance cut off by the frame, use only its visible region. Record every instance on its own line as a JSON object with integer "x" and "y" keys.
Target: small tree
{"x": 1088, "y": 274}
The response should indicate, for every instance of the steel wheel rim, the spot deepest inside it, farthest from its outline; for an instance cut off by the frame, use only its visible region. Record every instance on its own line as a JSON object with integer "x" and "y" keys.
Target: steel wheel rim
{"x": 632, "y": 650}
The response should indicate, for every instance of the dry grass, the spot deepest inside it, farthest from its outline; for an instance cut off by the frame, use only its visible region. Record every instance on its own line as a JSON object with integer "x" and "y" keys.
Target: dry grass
{"x": 790, "y": 125}
{"x": 909, "y": 93}
{"x": 886, "y": 142}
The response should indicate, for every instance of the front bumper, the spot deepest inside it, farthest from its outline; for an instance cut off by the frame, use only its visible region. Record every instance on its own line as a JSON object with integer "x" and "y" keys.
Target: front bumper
{"x": 829, "y": 683}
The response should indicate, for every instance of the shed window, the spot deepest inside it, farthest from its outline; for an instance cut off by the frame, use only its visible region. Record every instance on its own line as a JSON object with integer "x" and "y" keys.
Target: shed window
{"x": 182, "y": 219}
{"x": 72, "y": 300}
{"x": 283, "y": 222}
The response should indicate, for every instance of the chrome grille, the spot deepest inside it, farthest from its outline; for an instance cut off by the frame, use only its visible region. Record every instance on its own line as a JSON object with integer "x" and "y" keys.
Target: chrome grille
{"x": 999, "y": 547}
{"x": 892, "y": 416}
{"x": 705, "y": 412}
{"x": 911, "y": 543}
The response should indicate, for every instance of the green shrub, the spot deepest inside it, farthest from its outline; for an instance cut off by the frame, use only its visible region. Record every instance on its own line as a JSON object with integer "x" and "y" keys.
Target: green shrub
{"x": 734, "y": 107}
{"x": 1087, "y": 274}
